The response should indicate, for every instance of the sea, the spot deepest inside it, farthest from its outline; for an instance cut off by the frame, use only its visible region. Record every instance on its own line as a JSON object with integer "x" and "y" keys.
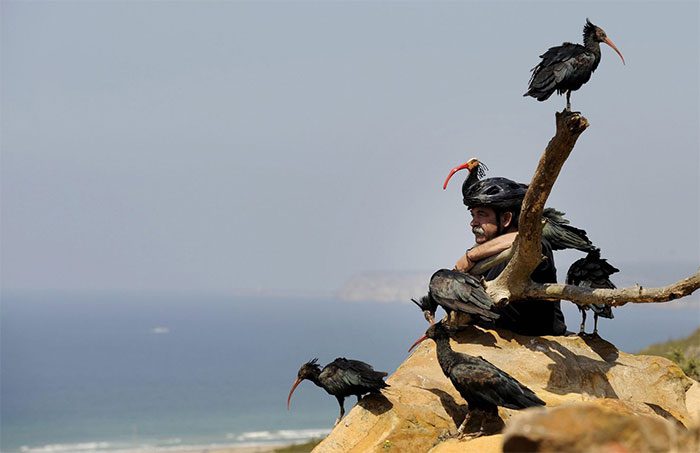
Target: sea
{"x": 135, "y": 372}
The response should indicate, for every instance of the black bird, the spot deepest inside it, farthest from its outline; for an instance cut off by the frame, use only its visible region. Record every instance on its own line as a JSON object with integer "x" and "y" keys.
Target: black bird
{"x": 341, "y": 378}
{"x": 476, "y": 168}
{"x": 456, "y": 291}
{"x": 481, "y": 384}
{"x": 567, "y": 67}
{"x": 555, "y": 228}
{"x": 592, "y": 272}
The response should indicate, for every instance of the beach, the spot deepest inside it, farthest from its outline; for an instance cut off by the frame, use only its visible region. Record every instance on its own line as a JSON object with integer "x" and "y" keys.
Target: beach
{"x": 244, "y": 449}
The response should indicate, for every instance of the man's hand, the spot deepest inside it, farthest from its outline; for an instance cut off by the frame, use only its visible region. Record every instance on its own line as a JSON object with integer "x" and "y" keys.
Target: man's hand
{"x": 464, "y": 263}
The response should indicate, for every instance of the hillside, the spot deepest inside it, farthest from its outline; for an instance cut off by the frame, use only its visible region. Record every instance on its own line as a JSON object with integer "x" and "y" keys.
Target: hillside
{"x": 685, "y": 352}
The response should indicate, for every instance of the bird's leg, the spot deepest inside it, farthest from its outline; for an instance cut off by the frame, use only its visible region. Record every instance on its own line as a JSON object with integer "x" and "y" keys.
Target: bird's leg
{"x": 460, "y": 430}
{"x": 481, "y": 431}
{"x": 595, "y": 324}
{"x": 568, "y": 101}
{"x": 341, "y": 400}
{"x": 582, "y": 329}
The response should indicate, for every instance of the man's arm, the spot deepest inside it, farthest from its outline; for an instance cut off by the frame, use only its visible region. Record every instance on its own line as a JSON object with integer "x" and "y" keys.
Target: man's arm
{"x": 485, "y": 250}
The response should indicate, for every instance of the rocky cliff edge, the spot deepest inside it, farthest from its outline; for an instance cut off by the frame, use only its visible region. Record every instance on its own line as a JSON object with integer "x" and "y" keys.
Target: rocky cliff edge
{"x": 598, "y": 399}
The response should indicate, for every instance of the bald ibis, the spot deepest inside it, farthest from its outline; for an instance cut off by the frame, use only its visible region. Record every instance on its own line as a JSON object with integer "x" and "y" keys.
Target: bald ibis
{"x": 567, "y": 67}
{"x": 592, "y": 272}
{"x": 556, "y": 229}
{"x": 456, "y": 291}
{"x": 476, "y": 168}
{"x": 481, "y": 384}
{"x": 341, "y": 378}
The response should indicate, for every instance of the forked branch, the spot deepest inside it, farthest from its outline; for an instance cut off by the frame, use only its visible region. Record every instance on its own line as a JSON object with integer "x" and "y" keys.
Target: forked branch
{"x": 514, "y": 282}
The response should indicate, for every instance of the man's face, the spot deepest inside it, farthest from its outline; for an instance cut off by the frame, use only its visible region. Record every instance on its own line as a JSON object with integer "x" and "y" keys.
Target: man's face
{"x": 483, "y": 224}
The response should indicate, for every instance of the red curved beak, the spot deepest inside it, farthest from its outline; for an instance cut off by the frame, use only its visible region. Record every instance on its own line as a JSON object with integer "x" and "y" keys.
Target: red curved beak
{"x": 467, "y": 165}
{"x": 418, "y": 341}
{"x": 294, "y": 386}
{"x": 611, "y": 44}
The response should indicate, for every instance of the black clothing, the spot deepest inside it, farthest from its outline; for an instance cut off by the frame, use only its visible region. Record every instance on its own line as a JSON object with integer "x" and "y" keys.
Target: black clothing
{"x": 532, "y": 317}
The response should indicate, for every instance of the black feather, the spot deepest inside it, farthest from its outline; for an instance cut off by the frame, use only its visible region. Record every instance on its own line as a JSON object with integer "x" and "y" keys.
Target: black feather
{"x": 561, "y": 235}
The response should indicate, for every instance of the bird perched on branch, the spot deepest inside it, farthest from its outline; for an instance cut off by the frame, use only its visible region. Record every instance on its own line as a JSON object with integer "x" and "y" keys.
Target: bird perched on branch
{"x": 341, "y": 378}
{"x": 592, "y": 272}
{"x": 481, "y": 384}
{"x": 456, "y": 291}
{"x": 555, "y": 228}
{"x": 567, "y": 67}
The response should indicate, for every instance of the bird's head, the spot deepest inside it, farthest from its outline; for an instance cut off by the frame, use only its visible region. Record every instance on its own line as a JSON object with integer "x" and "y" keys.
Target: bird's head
{"x": 435, "y": 331}
{"x": 594, "y": 32}
{"x": 474, "y": 165}
{"x": 424, "y": 303}
{"x": 309, "y": 370}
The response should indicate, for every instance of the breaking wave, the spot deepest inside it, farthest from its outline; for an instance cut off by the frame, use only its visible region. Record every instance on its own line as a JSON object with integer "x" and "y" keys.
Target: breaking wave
{"x": 251, "y": 438}
{"x": 286, "y": 435}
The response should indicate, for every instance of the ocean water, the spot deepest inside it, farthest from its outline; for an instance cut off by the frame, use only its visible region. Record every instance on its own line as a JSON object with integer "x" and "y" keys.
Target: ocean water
{"x": 97, "y": 372}
{"x": 146, "y": 372}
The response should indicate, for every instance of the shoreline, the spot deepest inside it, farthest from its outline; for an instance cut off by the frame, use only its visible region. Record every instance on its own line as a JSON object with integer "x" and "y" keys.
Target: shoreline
{"x": 238, "y": 449}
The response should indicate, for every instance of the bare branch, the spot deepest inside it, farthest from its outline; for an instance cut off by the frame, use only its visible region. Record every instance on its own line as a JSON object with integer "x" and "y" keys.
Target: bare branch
{"x": 527, "y": 247}
{"x": 514, "y": 282}
{"x": 613, "y": 297}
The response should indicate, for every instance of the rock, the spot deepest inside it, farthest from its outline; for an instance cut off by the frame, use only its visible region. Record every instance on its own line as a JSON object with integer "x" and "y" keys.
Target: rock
{"x": 593, "y": 427}
{"x": 422, "y": 409}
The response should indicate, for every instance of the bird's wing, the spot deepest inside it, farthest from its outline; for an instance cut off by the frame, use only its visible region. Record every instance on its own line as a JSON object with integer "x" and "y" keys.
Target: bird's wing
{"x": 557, "y": 64}
{"x": 561, "y": 235}
{"x": 461, "y": 292}
{"x": 342, "y": 374}
{"x": 559, "y": 54}
{"x": 491, "y": 384}
{"x": 592, "y": 271}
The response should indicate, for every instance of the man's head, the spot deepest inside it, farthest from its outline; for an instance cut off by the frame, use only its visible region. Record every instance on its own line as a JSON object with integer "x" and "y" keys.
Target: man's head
{"x": 494, "y": 204}
{"x": 487, "y": 223}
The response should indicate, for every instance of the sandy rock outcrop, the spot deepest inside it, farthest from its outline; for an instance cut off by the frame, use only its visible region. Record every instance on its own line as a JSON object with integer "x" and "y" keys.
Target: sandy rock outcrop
{"x": 605, "y": 426}
{"x": 421, "y": 409}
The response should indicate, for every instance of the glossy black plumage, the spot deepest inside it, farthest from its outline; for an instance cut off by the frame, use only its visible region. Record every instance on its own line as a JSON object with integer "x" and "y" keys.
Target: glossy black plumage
{"x": 561, "y": 235}
{"x": 341, "y": 378}
{"x": 457, "y": 291}
{"x": 483, "y": 385}
{"x": 567, "y": 67}
{"x": 592, "y": 272}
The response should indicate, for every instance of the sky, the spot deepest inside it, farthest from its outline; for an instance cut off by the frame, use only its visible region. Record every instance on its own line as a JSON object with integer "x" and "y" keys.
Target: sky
{"x": 287, "y": 146}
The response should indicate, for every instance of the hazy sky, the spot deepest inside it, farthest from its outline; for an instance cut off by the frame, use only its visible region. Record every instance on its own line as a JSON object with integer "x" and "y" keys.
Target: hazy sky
{"x": 225, "y": 145}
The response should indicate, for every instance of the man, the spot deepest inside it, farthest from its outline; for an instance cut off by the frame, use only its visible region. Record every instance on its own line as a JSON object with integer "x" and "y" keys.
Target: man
{"x": 494, "y": 204}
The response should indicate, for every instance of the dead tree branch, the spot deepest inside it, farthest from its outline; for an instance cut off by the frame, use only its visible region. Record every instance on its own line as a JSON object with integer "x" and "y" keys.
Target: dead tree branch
{"x": 614, "y": 297}
{"x": 527, "y": 248}
{"x": 514, "y": 282}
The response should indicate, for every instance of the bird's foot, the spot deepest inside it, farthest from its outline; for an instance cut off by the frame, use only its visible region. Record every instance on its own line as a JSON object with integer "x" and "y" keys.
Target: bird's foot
{"x": 465, "y": 436}
{"x": 337, "y": 420}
